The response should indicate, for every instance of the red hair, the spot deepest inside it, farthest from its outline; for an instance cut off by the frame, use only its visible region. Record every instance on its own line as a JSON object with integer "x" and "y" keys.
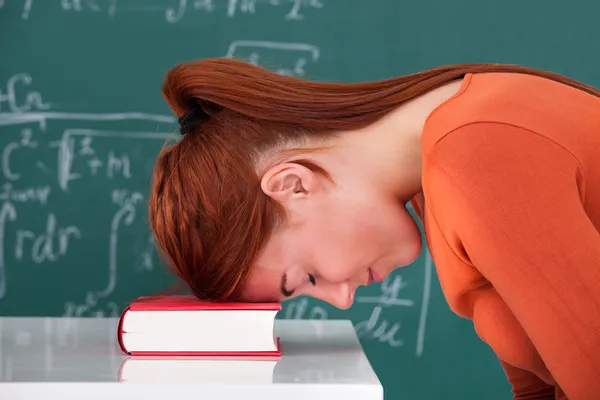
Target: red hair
{"x": 207, "y": 212}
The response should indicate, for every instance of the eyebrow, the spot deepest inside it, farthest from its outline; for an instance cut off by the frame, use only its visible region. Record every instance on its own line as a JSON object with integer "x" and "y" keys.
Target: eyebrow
{"x": 284, "y": 291}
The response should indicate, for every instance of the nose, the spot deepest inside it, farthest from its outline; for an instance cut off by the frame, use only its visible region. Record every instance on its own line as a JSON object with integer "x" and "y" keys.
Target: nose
{"x": 340, "y": 295}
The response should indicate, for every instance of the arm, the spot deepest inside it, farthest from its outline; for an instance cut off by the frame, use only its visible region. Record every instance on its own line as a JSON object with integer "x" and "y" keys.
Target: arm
{"x": 526, "y": 385}
{"x": 515, "y": 199}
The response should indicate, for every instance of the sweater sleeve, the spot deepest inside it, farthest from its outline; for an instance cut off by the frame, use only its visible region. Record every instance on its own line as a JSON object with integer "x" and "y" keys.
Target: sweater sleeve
{"x": 512, "y": 202}
{"x": 527, "y": 385}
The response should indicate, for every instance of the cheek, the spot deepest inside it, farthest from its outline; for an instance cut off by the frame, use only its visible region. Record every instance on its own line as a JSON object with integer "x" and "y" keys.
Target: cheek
{"x": 381, "y": 231}
{"x": 342, "y": 242}
{"x": 339, "y": 245}
{"x": 333, "y": 249}
{"x": 338, "y": 262}
{"x": 396, "y": 224}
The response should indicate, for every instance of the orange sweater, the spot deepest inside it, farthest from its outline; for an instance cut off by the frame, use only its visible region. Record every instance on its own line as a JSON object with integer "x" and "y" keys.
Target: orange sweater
{"x": 511, "y": 188}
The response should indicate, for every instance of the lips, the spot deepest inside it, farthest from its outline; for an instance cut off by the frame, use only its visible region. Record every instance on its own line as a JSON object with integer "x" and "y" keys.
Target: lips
{"x": 370, "y": 277}
{"x": 376, "y": 277}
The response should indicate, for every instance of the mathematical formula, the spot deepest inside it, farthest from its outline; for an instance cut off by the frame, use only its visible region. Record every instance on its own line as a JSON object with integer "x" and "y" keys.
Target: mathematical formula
{"x": 57, "y": 161}
{"x": 172, "y": 11}
{"x": 295, "y": 57}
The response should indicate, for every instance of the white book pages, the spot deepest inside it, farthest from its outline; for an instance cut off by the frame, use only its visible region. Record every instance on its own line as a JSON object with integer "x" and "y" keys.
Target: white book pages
{"x": 214, "y": 330}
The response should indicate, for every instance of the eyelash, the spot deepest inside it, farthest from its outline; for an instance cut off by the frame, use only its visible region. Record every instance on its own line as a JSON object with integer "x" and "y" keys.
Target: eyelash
{"x": 312, "y": 279}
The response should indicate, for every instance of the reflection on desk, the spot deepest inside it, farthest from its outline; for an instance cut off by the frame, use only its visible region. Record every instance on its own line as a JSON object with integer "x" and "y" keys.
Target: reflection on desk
{"x": 320, "y": 359}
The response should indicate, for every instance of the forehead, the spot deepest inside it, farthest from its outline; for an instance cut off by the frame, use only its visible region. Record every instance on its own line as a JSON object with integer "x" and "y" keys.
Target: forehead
{"x": 263, "y": 284}
{"x": 264, "y": 280}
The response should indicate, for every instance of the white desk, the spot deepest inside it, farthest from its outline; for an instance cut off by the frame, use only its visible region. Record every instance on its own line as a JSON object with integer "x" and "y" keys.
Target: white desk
{"x": 79, "y": 358}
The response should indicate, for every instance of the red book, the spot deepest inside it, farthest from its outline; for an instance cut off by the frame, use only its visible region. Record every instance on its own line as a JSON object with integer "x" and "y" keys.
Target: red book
{"x": 183, "y": 325}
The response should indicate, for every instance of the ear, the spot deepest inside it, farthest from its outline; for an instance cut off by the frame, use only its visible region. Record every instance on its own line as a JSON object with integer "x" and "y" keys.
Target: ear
{"x": 288, "y": 181}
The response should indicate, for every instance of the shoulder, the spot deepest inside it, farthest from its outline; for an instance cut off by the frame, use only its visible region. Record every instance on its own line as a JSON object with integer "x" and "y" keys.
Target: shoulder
{"x": 500, "y": 148}
{"x": 535, "y": 103}
{"x": 484, "y": 169}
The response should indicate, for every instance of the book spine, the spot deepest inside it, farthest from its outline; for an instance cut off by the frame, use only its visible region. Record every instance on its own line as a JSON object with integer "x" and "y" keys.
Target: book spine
{"x": 120, "y": 331}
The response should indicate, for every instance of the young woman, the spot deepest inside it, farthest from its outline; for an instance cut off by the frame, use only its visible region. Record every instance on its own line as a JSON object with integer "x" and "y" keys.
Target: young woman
{"x": 281, "y": 186}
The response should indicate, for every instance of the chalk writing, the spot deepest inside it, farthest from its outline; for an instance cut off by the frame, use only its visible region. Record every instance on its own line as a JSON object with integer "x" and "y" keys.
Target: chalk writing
{"x": 145, "y": 250}
{"x": 235, "y": 7}
{"x": 78, "y": 157}
{"x": 18, "y": 98}
{"x": 111, "y": 165}
{"x": 144, "y": 262}
{"x": 124, "y": 216}
{"x": 390, "y": 288}
{"x": 26, "y": 9}
{"x": 49, "y": 246}
{"x": 97, "y": 6}
{"x": 25, "y": 143}
{"x": 424, "y": 303}
{"x": 293, "y": 10}
{"x": 39, "y": 194}
{"x": 297, "y": 56}
{"x": 122, "y": 197}
{"x": 7, "y": 214}
{"x": 108, "y": 7}
{"x": 374, "y": 327}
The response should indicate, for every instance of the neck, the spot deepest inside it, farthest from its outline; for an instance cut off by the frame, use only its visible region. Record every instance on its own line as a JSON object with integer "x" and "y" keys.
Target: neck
{"x": 387, "y": 154}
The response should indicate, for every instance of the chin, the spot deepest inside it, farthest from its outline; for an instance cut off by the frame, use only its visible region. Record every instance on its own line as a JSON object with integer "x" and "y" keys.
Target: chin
{"x": 410, "y": 252}
{"x": 415, "y": 252}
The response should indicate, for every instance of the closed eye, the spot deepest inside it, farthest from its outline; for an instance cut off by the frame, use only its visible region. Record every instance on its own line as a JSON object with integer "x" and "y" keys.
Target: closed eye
{"x": 289, "y": 293}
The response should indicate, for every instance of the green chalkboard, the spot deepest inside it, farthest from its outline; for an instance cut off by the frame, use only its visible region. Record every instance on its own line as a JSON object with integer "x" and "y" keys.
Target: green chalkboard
{"x": 82, "y": 119}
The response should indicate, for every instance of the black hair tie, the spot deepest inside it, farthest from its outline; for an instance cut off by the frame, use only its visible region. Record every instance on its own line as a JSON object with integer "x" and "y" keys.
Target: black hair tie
{"x": 192, "y": 119}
